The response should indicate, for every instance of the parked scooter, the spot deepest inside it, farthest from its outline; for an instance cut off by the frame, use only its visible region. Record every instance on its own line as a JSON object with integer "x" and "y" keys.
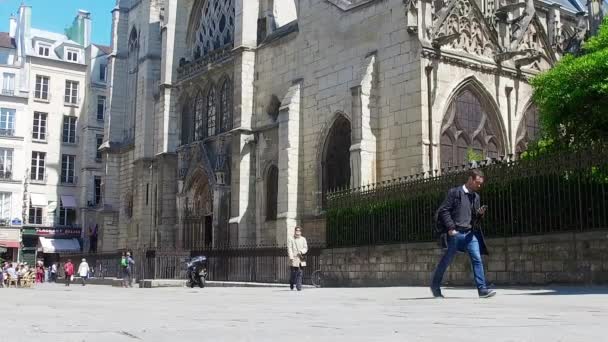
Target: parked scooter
{"x": 197, "y": 271}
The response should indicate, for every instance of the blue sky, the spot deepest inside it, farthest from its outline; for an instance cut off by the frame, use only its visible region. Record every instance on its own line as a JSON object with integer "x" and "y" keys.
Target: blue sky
{"x": 56, "y": 15}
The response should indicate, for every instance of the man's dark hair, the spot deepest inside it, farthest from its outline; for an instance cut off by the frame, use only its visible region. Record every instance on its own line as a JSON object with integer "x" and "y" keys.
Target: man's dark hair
{"x": 474, "y": 173}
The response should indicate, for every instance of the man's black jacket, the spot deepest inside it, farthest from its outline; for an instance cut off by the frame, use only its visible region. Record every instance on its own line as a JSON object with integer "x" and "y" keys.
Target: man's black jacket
{"x": 450, "y": 215}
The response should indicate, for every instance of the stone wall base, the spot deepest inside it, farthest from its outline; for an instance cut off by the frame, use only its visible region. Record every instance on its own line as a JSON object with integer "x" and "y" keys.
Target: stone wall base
{"x": 568, "y": 258}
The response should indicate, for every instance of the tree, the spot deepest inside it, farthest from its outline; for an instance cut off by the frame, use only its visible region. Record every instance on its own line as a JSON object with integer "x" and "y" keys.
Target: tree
{"x": 572, "y": 97}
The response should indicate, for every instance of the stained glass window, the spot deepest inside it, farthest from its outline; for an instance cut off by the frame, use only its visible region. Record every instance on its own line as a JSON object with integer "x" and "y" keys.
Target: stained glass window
{"x": 476, "y": 130}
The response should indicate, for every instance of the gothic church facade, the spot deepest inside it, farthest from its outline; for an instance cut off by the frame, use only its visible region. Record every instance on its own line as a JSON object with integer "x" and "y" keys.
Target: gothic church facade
{"x": 230, "y": 119}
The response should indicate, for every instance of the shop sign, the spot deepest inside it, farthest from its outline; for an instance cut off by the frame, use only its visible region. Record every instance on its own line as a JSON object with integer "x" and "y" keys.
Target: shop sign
{"x": 59, "y": 232}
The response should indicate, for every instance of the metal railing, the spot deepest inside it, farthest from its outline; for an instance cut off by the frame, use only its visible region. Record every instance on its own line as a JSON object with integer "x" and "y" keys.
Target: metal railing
{"x": 265, "y": 264}
{"x": 7, "y": 132}
{"x": 558, "y": 192}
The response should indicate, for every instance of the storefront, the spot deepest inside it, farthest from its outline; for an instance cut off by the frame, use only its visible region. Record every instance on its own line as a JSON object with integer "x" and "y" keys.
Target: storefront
{"x": 10, "y": 243}
{"x": 46, "y": 243}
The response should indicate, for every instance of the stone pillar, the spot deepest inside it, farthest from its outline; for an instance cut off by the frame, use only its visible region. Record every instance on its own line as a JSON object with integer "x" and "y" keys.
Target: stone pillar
{"x": 365, "y": 122}
{"x": 289, "y": 158}
{"x": 594, "y": 9}
{"x": 243, "y": 190}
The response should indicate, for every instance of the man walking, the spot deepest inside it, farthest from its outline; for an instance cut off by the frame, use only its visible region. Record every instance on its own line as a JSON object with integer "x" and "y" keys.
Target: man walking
{"x": 54, "y": 272}
{"x": 457, "y": 216}
{"x": 68, "y": 269}
{"x": 83, "y": 271}
{"x": 296, "y": 250}
{"x": 126, "y": 262}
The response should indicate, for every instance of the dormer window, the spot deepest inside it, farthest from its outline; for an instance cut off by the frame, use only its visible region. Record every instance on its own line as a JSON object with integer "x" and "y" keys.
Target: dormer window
{"x": 72, "y": 55}
{"x": 43, "y": 50}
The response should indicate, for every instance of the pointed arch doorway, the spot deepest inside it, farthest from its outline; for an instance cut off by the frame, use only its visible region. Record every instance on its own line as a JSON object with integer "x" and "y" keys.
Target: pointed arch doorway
{"x": 197, "y": 213}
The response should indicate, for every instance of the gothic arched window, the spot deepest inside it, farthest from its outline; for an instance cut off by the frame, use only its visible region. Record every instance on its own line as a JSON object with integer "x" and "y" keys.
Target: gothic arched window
{"x": 469, "y": 126}
{"x": 187, "y": 122}
{"x": 132, "y": 75}
{"x": 199, "y": 116}
{"x": 336, "y": 161}
{"x": 272, "y": 189}
{"x": 216, "y": 27}
{"x": 211, "y": 112}
{"x": 529, "y": 129}
{"x": 226, "y": 107}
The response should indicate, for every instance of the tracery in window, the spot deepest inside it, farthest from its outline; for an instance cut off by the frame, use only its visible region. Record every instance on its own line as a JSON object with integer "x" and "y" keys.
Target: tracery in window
{"x": 211, "y": 112}
{"x": 216, "y": 27}
{"x": 226, "y": 107}
{"x": 199, "y": 117}
{"x": 469, "y": 125}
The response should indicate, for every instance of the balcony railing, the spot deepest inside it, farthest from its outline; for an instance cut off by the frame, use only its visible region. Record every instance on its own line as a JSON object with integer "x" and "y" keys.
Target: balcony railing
{"x": 6, "y": 175}
{"x": 8, "y": 92}
{"x": 69, "y": 180}
{"x": 7, "y": 132}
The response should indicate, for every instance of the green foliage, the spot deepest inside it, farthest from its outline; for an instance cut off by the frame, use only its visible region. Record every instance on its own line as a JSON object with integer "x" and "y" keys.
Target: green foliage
{"x": 473, "y": 156}
{"x": 573, "y": 96}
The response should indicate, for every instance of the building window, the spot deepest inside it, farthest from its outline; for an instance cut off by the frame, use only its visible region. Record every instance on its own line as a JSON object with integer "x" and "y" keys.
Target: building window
{"x": 7, "y": 122}
{"x": 216, "y": 27}
{"x": 72, "y": 56}
{"x": 8, "y": 84}
{"x": 103, "y": 69}
{"x": 272, "y": 188}
{"x": 336, "y": 160}
{"x": 43, "y": 50}
{"x": 67, "y": 217}
{"x": 199, "y": 117}
{"x": 6, "y": 163}
{"x": 5, "y": 205}
{"x": 186, "y": 123}
{"x": 69, "y": 129}
{"x": 211, "y": 112}
{"x": 71, "y": 92}
{"x": 101, "y": 107}
{"x": 35, "y": 216}
{"x": 38, "y": 165}
{"x": 469, "y": 130}
{"x": 42, "y": 87}
{"x": 97, "y": 185}
{"x": 226, "y": 107}
{"x": 67, "y": 168}
{"x": 99, "y": 140}
{"x": 39, "y": 129}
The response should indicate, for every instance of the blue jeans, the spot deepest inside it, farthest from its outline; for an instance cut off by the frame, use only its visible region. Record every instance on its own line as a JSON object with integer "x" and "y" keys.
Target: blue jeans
{"x": 296, "y": 278}
{"x": 461, "y": 242}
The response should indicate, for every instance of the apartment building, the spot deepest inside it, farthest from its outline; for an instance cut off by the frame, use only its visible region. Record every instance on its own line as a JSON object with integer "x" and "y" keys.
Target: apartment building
{"x": 49, "y": 132}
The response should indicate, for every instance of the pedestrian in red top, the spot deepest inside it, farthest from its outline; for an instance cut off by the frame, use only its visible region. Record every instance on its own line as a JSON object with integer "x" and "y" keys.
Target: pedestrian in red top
{"x": 68, "y": 268}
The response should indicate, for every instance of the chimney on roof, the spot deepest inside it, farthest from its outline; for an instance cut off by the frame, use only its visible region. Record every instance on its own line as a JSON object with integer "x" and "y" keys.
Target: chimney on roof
{"x": 12, "y": 26}
{"x": 85, "y": 16}
{"x": 25, "y": 19}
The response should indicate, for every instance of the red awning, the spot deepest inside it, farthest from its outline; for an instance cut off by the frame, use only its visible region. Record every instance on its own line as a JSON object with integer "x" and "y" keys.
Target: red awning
{"x": 10, "y": 244}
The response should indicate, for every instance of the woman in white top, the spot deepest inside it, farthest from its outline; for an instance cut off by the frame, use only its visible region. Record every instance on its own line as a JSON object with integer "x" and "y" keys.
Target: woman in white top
{"x": 83, "y": 271}
{"x": 296, "y": 249}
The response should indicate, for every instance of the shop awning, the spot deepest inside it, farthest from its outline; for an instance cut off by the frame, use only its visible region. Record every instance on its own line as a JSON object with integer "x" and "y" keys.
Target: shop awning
{"x": 10, "y": 244}
{"x": 59, "y": 245}
{"x": 68, "y": 202}
{"x": 38, "y": 200}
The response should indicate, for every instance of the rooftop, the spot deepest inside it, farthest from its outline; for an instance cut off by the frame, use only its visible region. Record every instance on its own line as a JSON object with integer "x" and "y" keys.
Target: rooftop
{"x": 6, "y": 41}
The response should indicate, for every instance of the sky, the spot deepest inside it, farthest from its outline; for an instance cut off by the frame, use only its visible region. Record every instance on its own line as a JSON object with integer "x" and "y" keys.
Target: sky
{"x": 56, "y": 15}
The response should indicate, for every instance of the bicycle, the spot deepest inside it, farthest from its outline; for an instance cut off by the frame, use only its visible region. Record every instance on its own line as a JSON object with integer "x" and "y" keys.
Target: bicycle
{"x": 317, "y": 278}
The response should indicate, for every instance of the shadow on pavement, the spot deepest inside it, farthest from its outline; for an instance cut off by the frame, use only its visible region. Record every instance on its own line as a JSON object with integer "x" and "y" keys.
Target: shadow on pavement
{"x": 559, "y": 291}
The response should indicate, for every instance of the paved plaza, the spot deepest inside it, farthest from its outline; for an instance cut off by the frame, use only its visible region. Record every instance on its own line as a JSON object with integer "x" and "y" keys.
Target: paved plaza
{"x": 103, "y": 313}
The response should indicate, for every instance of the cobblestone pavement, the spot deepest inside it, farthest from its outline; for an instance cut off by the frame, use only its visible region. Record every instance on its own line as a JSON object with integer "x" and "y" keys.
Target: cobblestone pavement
{"x": 102, "y": 313}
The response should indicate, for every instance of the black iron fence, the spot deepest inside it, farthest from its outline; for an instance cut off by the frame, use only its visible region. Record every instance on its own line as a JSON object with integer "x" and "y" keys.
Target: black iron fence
{"x": 262, "y": 264}
{"x": 557, "y": 192}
